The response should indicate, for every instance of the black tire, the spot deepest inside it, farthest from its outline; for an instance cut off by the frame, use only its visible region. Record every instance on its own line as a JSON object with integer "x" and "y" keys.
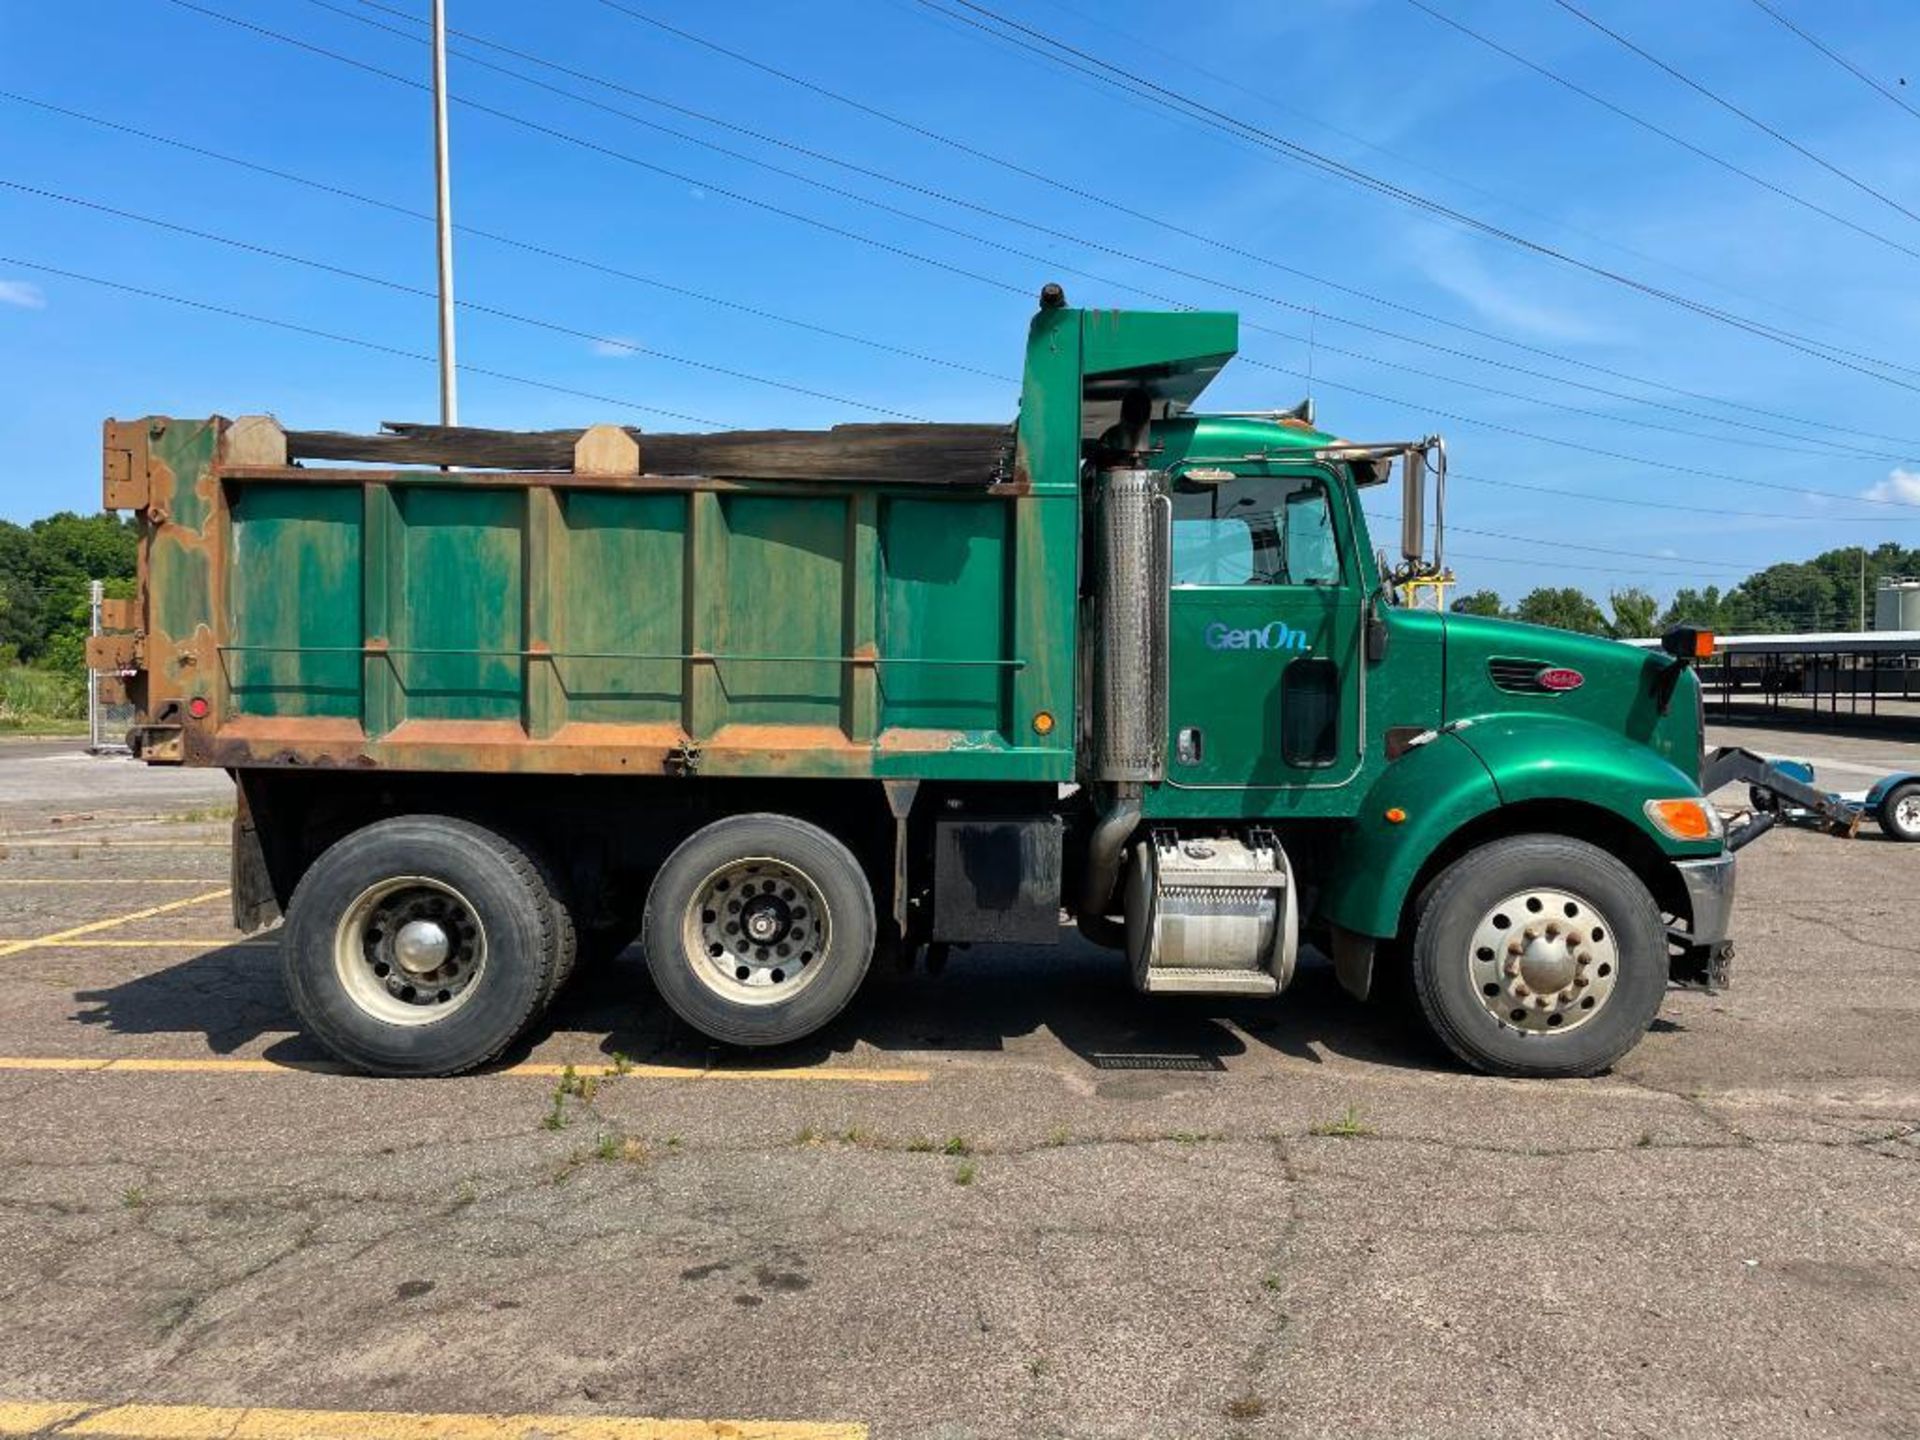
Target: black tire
{"x": 1888, "y": 816}
{"x": 510, "y": 905}
{"x": 1475, "y": 886}
{"x": 821, "y": 982}
{"x": 566, "y": 935}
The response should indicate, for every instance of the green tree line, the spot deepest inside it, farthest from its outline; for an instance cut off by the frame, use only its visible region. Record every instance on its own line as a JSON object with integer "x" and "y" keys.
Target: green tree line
{"x": 45, "y": 568}
{"x": 1823, "y": 593}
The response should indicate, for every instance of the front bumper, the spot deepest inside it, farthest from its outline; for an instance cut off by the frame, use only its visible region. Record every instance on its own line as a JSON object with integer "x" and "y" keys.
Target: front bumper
{"x": 1701, "y": 955}
{"x": 1709, "y": 886}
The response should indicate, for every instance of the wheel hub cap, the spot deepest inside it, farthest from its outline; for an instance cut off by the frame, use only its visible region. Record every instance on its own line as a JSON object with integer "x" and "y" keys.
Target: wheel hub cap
{"x": 421, "y": 947}
{"x": 1543, "y": 961}
{"x": 756, "y": 930}
{"x": 409, "y": 950}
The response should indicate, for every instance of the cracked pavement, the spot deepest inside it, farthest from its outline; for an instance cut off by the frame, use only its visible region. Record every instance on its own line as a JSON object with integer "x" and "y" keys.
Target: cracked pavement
{"x": 1099, "y": 1215}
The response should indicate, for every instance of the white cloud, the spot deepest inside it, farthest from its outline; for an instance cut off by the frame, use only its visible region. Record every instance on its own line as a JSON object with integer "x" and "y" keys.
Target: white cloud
{"x": 19, "y": 292}
{"x": 1902, "y": 485}
{"x": 614, "y": 347}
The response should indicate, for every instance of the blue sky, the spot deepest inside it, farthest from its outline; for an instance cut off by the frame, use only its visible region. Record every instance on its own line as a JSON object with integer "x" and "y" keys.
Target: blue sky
{"x": 1376, "y": 84}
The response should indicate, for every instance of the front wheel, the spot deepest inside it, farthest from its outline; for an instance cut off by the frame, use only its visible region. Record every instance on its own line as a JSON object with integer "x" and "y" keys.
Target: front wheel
{"x": 1899, "y": 814}
{"x": 759, "y": 929}
{"x": 1539, "y": 956}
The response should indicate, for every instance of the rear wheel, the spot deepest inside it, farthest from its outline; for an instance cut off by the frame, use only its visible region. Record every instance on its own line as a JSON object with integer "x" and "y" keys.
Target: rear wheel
{"x": 759, "y": 929}
{"x": 421, "y": 945}
{"x": 1899, "y": 813}
{"x": 1539, "y": 956}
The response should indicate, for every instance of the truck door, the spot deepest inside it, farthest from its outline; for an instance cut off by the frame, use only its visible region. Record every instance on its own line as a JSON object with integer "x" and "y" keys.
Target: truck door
{"x": 1264, "y": 630}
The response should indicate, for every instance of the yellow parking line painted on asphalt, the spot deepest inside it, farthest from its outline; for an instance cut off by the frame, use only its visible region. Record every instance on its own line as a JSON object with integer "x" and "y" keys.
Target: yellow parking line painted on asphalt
{"x": 599, "y": 1070}
{"x": 14, "y": 947}
{"x": 209, "y": 1422}
{"x": 855, "y": 1074}
{"x": 90, "y": 944}
{"x": 114, "y": 883}
{"x": 184, "y": 842}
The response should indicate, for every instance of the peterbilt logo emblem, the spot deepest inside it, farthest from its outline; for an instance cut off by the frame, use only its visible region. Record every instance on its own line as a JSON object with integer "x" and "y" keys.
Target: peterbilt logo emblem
{"x": 1555, "y": 677}
{"x": 1277, "y": 635}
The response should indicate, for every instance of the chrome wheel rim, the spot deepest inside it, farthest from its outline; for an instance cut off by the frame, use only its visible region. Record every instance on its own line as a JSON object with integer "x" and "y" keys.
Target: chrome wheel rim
{"x": 410, "y": 950}
{"x": 757, "y": 930}
{"x": 1906, "y": 813}
{"x": 1543, "y": 961}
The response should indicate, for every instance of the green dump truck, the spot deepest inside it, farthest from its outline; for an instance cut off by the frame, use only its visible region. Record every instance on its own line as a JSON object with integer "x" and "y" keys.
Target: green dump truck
{"x": 773, "y": 702}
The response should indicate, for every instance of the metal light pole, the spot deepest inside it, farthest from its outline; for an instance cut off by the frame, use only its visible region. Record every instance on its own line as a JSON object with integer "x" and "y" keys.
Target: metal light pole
{"x": 449, "y": 400}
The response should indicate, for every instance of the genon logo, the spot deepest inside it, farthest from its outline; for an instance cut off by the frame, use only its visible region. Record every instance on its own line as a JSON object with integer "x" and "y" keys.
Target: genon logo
{"x": 1275, "y": 636}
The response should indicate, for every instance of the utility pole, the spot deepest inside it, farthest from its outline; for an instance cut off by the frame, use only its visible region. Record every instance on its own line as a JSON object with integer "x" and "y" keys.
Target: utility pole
{"x": 1863, "y": 590}
{"x": 449, "y": 399}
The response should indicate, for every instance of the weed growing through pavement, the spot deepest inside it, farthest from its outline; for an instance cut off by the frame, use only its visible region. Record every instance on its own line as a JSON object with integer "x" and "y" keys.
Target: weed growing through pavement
{"x": 958, "y": 1145}
{"x": 965, "y": 1172}
{"x": 920, "y": 1145}
{"x": 133, "y": 1197}
{"x": 1059, "y": 1135}
{"x": 1348, "y": 1127}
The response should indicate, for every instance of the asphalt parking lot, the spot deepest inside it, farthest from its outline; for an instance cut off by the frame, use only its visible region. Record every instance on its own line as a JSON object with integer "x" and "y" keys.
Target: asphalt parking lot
{"x": 1011, "y": 1199}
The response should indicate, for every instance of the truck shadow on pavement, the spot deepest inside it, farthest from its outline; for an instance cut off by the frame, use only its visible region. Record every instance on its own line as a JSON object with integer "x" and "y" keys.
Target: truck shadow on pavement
{"x": 987, "y": 999}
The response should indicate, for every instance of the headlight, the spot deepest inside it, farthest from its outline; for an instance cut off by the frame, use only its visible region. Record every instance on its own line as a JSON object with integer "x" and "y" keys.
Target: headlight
{"x": 1689, "y": 818}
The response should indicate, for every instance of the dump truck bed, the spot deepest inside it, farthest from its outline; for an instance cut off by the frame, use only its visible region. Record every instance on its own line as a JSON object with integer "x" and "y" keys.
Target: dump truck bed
{"x": 873, "y": 600}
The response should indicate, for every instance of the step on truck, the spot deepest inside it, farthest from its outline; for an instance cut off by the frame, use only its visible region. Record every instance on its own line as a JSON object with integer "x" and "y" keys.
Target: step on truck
{"x": 774, "y": 702}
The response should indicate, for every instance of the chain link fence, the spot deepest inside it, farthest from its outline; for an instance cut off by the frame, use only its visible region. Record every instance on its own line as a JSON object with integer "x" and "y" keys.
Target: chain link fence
{"x": 107, "y": 725}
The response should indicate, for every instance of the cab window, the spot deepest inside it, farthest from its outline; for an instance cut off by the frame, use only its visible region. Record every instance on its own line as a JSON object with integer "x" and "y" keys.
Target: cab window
{"x": 1254, "y": 530}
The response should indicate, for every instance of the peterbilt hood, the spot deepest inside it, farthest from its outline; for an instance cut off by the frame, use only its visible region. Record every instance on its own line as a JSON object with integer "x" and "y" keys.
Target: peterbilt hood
{"x": 1502, "y": 667}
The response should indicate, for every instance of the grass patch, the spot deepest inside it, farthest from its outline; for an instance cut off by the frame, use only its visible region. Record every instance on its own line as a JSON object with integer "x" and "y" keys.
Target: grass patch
{"x": 1349, "y": 1126}
{"x": 965, "y": 1173}
{"x": 957, "y": 1145}
{"x": 42, "y": 701}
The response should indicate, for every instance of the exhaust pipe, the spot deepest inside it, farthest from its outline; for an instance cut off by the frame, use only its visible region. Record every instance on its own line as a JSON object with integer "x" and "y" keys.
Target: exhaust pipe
{"x": 1106, "y": 850}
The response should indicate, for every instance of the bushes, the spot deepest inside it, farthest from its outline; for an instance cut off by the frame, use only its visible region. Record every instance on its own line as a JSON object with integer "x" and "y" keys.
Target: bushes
{"x": 30, "y": 697}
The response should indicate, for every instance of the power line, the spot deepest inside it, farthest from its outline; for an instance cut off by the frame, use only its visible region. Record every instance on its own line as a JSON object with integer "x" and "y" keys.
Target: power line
{"x": 594, "y": 146}
{"x": 1592, "y": 449}
{"x": 1121, "y": 207}
{"x": 1733, "y": 109}
{"x": 600, "y": 267}
{"x": 1138, "y": 43}
{"x": 400, "y": 287}
{"x": 998, "y": 215}
{"x": 1124, "y": 79}
{"x": 842, "y": 399}
{"x": 357, "y": 341}
{"x": 514, "y": 242}
{"x": 1839, "y": 59}
{"x": 1645, "y": 124}
{"x": 1717, "y": 512}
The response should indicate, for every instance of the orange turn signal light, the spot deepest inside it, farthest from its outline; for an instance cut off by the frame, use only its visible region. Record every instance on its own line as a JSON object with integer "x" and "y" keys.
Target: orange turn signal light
{"x": 1396, "y": 816}
{"x": 1702, "y": 644}
{"x": 1043, "y": 723}
{"x": 1691, "y": 818}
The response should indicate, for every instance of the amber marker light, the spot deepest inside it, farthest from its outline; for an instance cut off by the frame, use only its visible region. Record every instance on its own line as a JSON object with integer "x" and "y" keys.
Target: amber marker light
{"x": 1691, "y": 818}
{"x": 1396, "y": 816}
{"x": 1043, "y": 723}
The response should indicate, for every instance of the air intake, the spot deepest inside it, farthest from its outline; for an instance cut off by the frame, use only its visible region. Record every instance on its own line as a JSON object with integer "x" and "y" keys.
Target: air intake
{"x": 1519, "y": 677}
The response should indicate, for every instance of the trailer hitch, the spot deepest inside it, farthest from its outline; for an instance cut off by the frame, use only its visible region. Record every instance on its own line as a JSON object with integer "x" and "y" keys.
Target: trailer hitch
{"x": 1732, "y": 764}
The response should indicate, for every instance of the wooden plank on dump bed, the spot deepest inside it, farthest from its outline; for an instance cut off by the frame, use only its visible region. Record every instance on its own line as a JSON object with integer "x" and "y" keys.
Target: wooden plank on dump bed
{"x": 961, "y": 455}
